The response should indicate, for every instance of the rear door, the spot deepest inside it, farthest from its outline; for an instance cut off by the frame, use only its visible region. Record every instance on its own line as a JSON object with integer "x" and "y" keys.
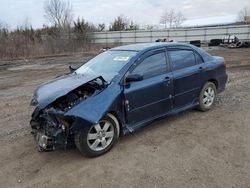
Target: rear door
{"x": 152, "y": 96}
{"x": 186, "y": 76}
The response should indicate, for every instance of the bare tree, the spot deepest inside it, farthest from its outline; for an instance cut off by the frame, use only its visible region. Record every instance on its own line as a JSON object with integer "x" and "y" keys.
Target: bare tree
{"x": 164, "y": 18}
{"x": 168, "y": 18}
{"x": 119, "y": 24}
{"x": 243, "y": 14}
{"x": 179, "y": 19}
{"x": 101, "y": 27}
{"x": 171, "y": 18}
{"x": 122, "y": 23}
{"x": 133, "y": 26}
{"x": 58, "y": 12}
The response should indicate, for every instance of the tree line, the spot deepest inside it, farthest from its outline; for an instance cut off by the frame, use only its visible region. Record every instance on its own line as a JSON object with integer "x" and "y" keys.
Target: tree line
{"x": 66, "y": 35}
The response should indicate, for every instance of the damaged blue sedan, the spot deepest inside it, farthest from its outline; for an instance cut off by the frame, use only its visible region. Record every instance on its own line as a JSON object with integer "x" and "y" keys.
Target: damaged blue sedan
{"x": 122, "y": 90}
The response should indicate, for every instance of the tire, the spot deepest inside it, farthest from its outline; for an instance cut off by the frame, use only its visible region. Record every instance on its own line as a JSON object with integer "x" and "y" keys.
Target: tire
{"x": 207, "y": 96}
{"x": 196, "y": 43}
{"x": 96, "y": 140}
{"x": 215, "y": 42}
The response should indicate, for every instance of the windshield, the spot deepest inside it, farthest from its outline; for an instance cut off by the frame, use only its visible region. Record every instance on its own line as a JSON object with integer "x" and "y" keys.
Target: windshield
{"x": 107, "y": 64}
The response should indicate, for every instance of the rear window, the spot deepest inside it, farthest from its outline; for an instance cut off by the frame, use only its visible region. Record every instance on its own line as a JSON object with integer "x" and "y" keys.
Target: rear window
{"x": 182, "y": 58}
{"x": 206, "y": 56}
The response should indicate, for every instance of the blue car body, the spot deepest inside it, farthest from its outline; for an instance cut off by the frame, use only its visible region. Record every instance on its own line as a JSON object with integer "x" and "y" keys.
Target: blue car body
{"x": 135, "y": 104}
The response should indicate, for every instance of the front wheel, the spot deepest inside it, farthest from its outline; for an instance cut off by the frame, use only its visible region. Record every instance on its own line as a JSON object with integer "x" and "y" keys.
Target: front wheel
{"x": 207, "y": 96}
{"x": 98, "y": 139}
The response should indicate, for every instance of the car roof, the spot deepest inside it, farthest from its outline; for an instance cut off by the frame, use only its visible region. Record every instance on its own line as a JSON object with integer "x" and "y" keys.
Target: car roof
{"x": 147, "y": 46}
{"x": 142, "y": 47}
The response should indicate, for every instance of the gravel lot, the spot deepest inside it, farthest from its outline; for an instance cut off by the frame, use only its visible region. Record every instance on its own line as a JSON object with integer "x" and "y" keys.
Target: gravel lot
{"x": 192, "y": 149}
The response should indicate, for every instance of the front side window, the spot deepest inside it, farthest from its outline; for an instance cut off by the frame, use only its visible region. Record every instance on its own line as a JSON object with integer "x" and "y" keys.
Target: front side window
{"x": 152, "y": 66}
{"x": 182, "y": 59}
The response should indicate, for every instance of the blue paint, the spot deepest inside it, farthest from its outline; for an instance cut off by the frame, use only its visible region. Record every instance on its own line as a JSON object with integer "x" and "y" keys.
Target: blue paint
{"x": 137, "y": 103}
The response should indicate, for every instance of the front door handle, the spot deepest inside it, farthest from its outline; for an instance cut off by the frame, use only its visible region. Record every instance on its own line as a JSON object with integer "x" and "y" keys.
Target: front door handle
{"x": 167, "y": 80}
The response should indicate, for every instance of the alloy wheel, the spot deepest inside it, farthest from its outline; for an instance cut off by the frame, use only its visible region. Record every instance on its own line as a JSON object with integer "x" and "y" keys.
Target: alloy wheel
{"x": 100, "y": 135}
{"x": 208, "y": 96}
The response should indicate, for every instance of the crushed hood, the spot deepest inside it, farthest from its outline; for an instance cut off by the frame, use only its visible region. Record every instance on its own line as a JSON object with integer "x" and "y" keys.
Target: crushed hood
{"x": 52, "y": 90}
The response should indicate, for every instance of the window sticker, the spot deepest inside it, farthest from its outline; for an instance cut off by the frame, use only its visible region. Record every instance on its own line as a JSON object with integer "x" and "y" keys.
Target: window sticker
{"x": 121, "y": 58}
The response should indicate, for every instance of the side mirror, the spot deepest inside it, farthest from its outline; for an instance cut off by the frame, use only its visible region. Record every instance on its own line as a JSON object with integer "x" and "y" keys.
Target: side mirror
{"x": 134, "y": 78}
{"x": 71, "y": 69}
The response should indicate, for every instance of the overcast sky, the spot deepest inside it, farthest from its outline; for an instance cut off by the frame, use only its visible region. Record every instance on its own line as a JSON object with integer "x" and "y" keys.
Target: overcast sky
{"x": 15, "y": 12}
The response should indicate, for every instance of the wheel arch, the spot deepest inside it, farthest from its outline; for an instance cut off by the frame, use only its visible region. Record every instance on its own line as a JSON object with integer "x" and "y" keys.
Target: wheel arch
{"x": 215, "y": 82}
{"x": 115, "y": 117}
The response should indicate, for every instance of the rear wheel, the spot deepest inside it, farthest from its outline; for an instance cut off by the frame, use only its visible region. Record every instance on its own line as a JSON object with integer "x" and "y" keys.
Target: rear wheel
{"x": 98, "y": 139}
{"x": 207, "y": 96}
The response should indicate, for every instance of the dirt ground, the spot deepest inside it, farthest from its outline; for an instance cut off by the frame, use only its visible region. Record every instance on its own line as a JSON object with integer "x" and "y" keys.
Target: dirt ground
{"x": 192, "y": 149}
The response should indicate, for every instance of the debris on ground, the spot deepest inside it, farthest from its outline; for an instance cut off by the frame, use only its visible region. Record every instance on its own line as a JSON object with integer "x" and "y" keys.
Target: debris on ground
{"x": 165, "y": 40}
{"x": 242, "y": 44}
{"x": 215, "y": 42}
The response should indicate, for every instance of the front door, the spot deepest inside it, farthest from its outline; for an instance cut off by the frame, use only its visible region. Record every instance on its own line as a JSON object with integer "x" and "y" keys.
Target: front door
{"x": 152, "y": 96}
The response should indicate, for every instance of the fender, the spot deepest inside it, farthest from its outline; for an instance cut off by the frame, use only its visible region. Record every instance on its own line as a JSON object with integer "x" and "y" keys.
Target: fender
{"x": 95, "y": 107}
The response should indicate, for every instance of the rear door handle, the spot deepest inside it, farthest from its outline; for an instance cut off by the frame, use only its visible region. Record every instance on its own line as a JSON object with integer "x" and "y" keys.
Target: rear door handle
{"x": 201, "y": 69}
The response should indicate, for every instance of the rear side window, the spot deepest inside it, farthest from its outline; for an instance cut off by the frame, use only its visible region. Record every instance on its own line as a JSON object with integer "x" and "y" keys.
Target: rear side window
{"x": 198, "y": 59}
{"x": 182, "y": 58}
{"x": 151, "y": 66}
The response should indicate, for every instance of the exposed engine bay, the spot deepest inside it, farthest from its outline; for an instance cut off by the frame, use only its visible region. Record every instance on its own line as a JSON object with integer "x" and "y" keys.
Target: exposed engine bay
{"x": 66, "y": 102}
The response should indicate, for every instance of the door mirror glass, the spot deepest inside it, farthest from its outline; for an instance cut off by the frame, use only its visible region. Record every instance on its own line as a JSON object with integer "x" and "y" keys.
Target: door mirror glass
{"x": 134, "y": 78}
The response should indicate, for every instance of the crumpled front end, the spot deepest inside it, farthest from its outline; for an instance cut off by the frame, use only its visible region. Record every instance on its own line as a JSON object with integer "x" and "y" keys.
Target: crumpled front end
{"x": 51, "y": 126}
